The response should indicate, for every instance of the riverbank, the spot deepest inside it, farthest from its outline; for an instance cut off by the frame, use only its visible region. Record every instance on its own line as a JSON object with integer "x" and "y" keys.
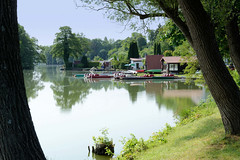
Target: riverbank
{"x": 198, "y": 135}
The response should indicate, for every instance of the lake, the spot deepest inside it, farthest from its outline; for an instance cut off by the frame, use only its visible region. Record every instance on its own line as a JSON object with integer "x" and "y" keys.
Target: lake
{"x": 67, "y": 112}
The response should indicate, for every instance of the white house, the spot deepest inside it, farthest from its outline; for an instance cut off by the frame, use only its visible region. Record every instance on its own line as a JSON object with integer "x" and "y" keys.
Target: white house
{"x": 136, "y": 63}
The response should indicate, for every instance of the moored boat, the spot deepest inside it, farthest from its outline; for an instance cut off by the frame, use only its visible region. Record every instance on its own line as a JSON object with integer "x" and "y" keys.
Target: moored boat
{"x": 140, "y": 71}
{"x": 94, "y": 75}
{"x": 78, "y": 75}
{"x": 154, "y": 71}
{"x": 166, "y": 76}
{"x": 136, "y": 77}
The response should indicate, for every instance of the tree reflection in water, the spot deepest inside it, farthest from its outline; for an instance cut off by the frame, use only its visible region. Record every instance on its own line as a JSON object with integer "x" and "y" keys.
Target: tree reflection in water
{"x": 68, "y": 91}
{"x": 33, "y": 84}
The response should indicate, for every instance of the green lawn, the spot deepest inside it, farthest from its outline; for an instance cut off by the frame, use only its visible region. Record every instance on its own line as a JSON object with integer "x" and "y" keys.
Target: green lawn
{"x": 200, "y": 136}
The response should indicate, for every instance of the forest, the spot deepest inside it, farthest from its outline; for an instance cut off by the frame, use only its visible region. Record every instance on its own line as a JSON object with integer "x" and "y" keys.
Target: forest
{"x": 167, "y": 39}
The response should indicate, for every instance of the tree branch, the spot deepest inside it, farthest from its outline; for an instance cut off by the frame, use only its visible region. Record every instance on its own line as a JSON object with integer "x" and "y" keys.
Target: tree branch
{"x": 174, "y": 15}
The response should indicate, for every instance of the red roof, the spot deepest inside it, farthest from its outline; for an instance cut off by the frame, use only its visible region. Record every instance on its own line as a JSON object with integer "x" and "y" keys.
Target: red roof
{"x": 153, "y": 61}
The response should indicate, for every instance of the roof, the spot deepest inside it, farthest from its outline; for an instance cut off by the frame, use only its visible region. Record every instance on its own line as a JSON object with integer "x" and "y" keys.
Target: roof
{"x": 136, "y": 59}
{"x": 153, "y": 61}
{"x": 177, "y": 59}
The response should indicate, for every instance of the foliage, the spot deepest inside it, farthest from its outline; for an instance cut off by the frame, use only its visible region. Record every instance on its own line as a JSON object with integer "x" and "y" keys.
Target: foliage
{"x": 160, "y": 136}
{"x": 66, "y": 44}
{"x": 93, "y": 64}
{"x": 133, "y": 146}
{"x": 84, "y": 62}
{"x": 97, "y": 58}
{"x": 184, "y": 50}
{"x": 171, "y": 34}
{"x": 157, "y": 49}
{"x": 28, "y": 49}
{"x": 109, "y": 152}
{"x": 101, "y": 48}
{"x": 133, "y": 50}
{"x": 194, "y": 113}
{"x": 119, "y": 61}
{"x": 146, "y": 51}
{"x": 235, "y": 76}
{"x": 168, "y": 53}
{"x": 104, "y": 139}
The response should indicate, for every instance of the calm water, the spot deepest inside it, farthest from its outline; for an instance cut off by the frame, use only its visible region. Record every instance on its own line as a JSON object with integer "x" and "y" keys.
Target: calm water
{"x": 67, "y": 111}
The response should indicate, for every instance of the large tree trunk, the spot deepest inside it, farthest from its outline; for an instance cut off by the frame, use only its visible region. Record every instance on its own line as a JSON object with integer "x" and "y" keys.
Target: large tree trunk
{"x": 234, "y": 41}
{"x": 222, "y": 86}
{"x": 18, "y": 140}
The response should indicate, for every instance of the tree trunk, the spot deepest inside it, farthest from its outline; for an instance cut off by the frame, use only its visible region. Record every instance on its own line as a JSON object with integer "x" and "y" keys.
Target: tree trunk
{"x": 222, "y": 86}
{"x": 66, "y": 52}
{"x": 234, "y": 41}
{"x": 18, "y": 140}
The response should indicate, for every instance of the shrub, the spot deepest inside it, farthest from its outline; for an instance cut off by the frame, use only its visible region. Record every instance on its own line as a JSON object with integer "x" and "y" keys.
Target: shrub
{"x": 93, "y": 64}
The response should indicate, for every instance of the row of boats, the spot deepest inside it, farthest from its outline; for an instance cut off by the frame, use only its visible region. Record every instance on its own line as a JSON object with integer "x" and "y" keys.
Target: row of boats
{"x": 127, "y": 75}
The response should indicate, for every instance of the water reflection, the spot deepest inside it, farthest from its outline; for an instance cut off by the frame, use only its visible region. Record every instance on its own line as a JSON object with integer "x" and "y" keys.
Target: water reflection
{"x": 68, "y": 91}
{"x": 139, "y": 107}
{"x": 174, "y": 95}
{"x": 33, "y": 83}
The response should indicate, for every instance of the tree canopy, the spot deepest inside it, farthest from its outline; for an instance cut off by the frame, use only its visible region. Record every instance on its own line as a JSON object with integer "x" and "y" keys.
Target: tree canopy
{"x": 66, "y": 44}
{"x": 28, "y": 49}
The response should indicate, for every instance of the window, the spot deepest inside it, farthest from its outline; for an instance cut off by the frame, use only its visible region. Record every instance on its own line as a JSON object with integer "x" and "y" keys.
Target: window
{"x": 173, "y": 67}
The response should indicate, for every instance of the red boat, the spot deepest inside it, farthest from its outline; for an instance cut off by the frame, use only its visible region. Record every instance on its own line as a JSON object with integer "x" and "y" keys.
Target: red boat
{"x": 91, "y": 75}
{"x": 140, "y": 71}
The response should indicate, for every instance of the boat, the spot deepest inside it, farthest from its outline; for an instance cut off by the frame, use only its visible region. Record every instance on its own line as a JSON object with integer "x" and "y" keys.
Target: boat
{"x": 94, "y": 75}
{"x": 140, "y": 71}
{"x": 136, "y": 77}
{"x": 166, "y": 76}
{"x": 154, "y": 71}
{"x": 78, "y": 75}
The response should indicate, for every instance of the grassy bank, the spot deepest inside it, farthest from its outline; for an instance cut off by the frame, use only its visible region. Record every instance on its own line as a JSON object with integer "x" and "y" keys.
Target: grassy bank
{"x": 199, "y": 135}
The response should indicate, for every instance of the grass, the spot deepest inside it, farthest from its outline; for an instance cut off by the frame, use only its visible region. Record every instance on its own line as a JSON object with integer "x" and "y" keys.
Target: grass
{"x": 200, "y": 135}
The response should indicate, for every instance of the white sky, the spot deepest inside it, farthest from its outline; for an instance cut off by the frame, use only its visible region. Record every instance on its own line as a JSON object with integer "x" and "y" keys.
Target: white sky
{"x": 42, "y": 19}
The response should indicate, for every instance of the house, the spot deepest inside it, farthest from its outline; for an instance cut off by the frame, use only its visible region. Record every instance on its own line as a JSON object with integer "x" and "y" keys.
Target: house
{"x": 106, "y": 64}
{"x": 175, "y": 64}
{"x": 153, "y": 62}
{"x": 136, "y": 63}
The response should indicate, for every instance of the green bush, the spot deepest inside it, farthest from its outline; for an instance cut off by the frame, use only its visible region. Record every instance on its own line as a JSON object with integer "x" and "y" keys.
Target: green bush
{"x": 93, "y": 64}
{"x": 79, "y": 65}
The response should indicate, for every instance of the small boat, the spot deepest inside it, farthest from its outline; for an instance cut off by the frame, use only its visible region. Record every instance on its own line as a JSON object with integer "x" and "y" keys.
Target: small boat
{"x": 154, "y": 71}
{"x": 78, "y": 75}
{"x": 166, "y": 76}
{"x": 94, "y": 75}
{"x": 137, "y": 77}
{"x": 140, "y": 71}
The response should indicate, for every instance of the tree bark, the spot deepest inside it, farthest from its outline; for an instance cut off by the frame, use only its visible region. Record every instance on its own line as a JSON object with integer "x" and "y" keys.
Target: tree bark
{"x": 222, "y": 86}
{"x": 18, "y": 140}
{"x": 233, "y": 36}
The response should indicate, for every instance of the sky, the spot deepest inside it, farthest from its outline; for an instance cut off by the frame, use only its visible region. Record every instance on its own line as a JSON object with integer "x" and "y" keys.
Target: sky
{"x": 43, "y": 18}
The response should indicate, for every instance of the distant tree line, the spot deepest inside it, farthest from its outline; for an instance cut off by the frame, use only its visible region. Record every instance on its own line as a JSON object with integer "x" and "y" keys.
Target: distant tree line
{"x": 68, "y": 47}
